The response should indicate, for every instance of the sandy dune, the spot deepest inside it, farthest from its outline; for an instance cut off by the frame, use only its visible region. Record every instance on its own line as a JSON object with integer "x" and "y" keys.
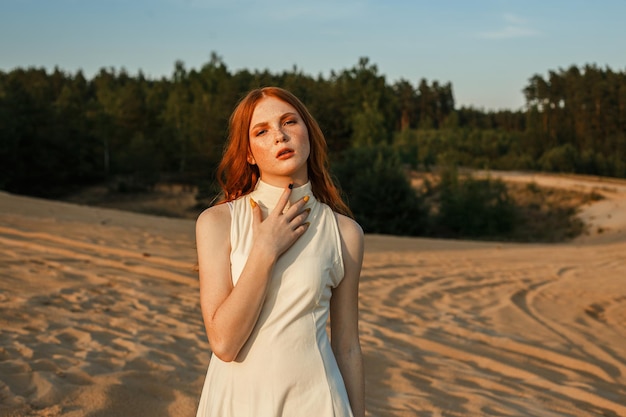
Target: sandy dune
{"x": 99, "y": 317}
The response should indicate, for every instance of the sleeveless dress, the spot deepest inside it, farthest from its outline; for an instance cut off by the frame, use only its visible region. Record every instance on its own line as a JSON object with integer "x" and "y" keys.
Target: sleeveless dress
{"x": 286, "y": 367}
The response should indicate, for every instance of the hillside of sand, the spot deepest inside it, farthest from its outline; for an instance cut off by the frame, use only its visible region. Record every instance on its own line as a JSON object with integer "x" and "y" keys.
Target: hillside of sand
{"x": 99, "y": 316}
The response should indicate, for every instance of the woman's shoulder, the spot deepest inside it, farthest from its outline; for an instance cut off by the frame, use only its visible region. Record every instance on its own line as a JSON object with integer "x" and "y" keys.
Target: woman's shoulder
{"x": 353, "y": 245}
{"x": 214, "y": 218}
{"x": 350, "y": 230}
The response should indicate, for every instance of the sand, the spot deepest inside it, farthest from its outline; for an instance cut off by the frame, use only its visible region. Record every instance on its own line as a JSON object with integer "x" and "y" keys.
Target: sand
{"x": 99, "y": 316}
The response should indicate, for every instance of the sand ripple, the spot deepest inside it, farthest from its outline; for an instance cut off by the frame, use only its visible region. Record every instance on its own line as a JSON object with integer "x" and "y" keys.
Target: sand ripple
{"x": 504, "y": 330}
{"x": 99, "y": 316}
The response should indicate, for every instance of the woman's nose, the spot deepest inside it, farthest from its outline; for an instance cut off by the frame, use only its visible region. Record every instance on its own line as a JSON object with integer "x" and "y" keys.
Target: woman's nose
{"x": 279, "y": 136}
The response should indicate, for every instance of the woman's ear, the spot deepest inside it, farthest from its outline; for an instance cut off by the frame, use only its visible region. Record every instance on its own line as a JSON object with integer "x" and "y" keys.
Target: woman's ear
{"x": 251, "y": 159}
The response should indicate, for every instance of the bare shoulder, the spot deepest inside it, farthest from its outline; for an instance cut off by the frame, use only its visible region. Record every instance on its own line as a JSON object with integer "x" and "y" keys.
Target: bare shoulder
{"x": 351, "y": 233}
{"x": 214, "y": 221}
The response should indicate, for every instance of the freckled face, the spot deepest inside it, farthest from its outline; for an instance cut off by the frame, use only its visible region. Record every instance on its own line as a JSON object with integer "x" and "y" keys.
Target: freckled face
{"x": 279, "y": 142}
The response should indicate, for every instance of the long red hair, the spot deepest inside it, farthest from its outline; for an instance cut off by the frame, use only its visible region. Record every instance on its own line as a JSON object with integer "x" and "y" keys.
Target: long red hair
{"x": 237, "y": 177}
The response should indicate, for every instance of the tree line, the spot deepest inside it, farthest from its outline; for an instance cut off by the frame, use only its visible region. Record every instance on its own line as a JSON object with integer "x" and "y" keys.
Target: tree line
{"x": 60, "y": 130}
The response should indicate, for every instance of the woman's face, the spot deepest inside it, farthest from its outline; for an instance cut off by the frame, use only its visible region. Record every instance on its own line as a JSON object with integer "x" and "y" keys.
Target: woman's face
{"x": 279, "y": 143}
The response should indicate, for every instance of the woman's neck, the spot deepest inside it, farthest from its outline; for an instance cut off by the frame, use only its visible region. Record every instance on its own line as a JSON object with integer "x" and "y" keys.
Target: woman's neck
{"x": 283, "y": 182}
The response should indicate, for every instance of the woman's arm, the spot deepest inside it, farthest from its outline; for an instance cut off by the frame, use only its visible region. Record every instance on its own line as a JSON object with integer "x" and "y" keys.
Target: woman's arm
{"x": 230, "y": 312}
{"x": 344, "y": 315}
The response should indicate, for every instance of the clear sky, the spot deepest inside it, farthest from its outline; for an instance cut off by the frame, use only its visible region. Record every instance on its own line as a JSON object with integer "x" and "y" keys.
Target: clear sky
{"x": 487, "y": 49}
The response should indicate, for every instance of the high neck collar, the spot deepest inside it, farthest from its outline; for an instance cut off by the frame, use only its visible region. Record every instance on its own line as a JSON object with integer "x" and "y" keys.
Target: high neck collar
{"x": 268, "y": 195}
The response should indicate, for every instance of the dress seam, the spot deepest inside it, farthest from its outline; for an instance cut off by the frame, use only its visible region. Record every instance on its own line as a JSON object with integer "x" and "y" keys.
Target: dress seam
{"x": 338, "y": 265}
{"x": 321, "y": 356}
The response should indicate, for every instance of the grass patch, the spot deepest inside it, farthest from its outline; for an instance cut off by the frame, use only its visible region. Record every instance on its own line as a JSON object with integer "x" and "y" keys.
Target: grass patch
{"x": 548, "y": 214}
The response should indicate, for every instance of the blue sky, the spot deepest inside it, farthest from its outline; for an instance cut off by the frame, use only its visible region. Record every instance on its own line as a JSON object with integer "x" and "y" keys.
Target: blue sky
{"x": 487, "y": 49}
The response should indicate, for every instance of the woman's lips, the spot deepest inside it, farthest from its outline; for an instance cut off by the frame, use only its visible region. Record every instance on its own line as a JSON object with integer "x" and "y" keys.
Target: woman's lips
{"x": 284, "y": 153}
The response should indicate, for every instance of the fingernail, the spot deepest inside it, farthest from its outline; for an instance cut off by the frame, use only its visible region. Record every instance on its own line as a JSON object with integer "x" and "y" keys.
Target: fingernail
{"x": 291, "y": 186}
{"x": 253, "y": 203}
{"x": 306, "y": 198}
{"x": 307, "y": 224}
{"x": 308, "y": 209}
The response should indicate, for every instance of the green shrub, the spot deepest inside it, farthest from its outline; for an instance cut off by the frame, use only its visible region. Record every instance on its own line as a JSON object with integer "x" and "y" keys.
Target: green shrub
{"x": 559, "y": 159}
{"x": 378, "y": 191}
{"x": 473, "y": 208}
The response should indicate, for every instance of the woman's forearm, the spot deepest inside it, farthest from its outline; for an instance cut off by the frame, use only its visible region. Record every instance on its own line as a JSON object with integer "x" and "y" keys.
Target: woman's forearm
{"x": 231, "y": 325}
{"x": 351, "y": 366}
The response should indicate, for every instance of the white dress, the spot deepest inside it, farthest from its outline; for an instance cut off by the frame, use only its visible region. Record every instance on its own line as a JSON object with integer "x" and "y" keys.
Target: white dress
{"x": 287, "y": 367}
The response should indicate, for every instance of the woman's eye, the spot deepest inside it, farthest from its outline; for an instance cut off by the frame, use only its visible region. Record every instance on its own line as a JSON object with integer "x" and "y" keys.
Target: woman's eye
{"x": 260, "y": 133}
{"x": 290, "y": 122}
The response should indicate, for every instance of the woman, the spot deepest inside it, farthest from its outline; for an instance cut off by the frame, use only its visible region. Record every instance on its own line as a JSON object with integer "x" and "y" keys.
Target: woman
{"x": 274, "y": 261}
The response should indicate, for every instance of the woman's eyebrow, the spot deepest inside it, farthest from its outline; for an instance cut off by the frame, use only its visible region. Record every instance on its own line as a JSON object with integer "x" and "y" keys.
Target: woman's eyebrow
{"x": 263, "y": 124}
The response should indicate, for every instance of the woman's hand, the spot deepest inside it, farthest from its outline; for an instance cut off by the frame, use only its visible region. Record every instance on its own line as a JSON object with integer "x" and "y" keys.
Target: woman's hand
{"x": 279, "y": 230}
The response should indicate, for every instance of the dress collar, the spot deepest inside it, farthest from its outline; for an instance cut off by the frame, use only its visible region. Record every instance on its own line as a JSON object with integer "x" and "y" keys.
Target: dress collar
{"x": 268, "y": 195}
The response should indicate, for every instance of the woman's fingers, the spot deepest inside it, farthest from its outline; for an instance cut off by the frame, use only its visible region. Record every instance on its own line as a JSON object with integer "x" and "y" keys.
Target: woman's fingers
{"x": 295, "y": 215}
{"x": 283, "y": 200}
{"x": 298, "y": 218}
{"x": 297, "y": 208}
{"x": 282, "y": 227}
{"x": 257, "y": 215}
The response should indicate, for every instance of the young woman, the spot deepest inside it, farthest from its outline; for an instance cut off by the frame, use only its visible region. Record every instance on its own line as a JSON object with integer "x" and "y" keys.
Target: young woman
{"x": 275, "y": 260}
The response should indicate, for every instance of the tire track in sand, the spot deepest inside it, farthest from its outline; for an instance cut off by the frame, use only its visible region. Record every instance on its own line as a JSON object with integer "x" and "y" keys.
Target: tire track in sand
{"x": 461, "y": 333}
{"x": 97, "y": 260}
